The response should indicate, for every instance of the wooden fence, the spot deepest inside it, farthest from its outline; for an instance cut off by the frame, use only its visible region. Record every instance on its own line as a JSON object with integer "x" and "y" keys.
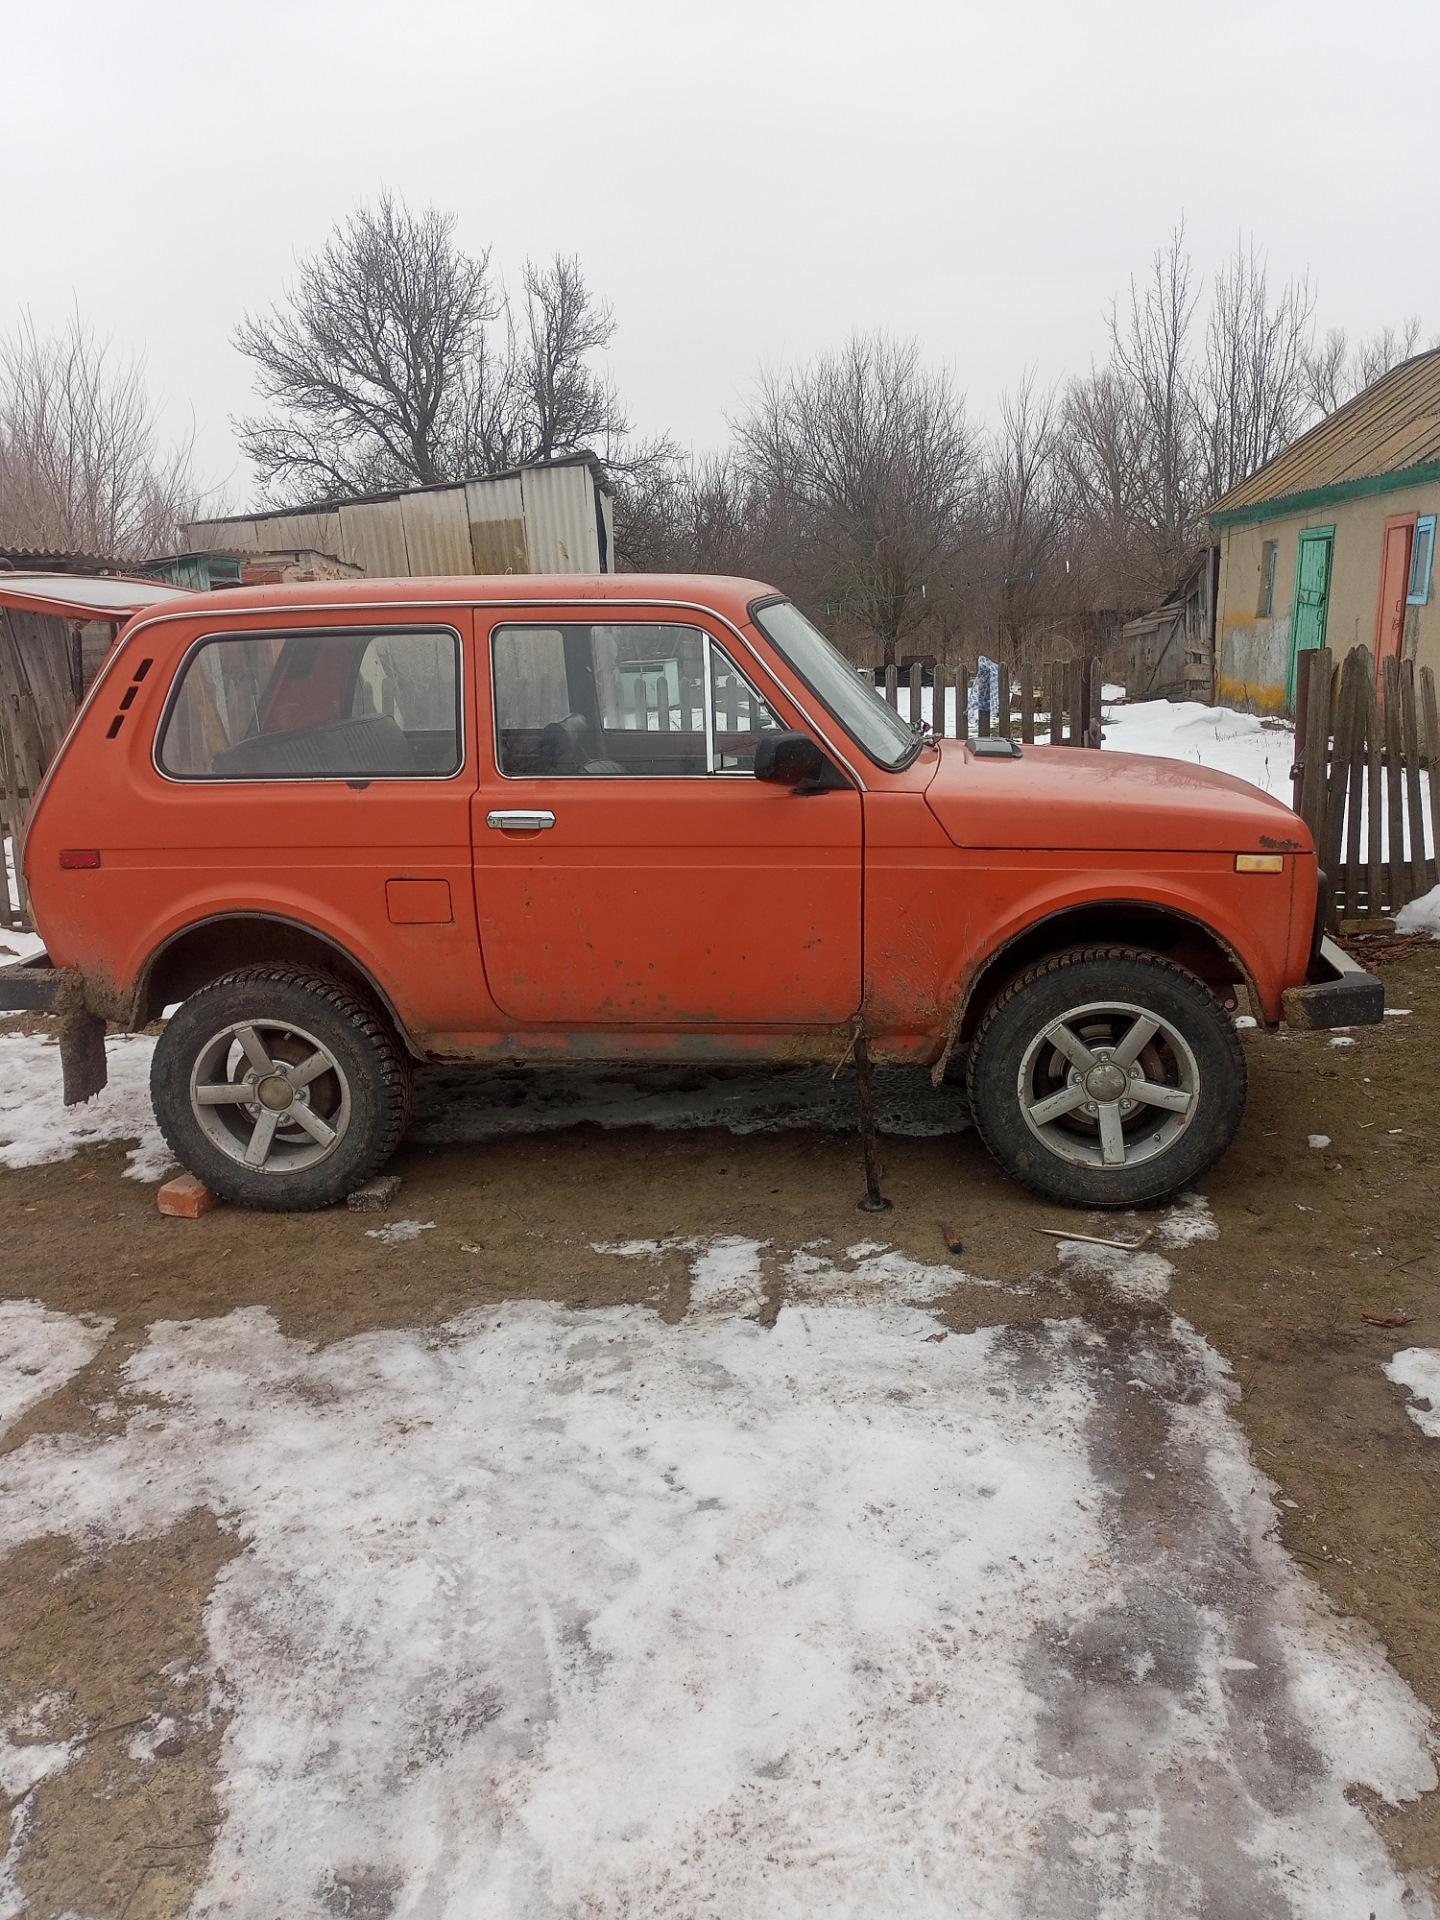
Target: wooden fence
{"x": 43, "y": 671}
{"x": 1364, "y": 782}
{"x": 1064, "y": 710}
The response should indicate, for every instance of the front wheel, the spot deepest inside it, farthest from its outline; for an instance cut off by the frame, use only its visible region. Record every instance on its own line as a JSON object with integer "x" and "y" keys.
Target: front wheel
{"x": 1106, "y": 1077}
{"x": 280, "y": 1089}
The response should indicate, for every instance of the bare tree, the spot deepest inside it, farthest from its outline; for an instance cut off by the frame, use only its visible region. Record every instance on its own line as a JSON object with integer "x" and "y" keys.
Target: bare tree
{"x": 869, "y": 456}
{"x": 399, "y": 360}
{"x": 1025, "y": 510}
{"x": 369, "y": 366}
{"x": 1150, "y": 349}
{"x": 567, "y": 404}
{"x": 1252, "y": 388}
{"x": 81, "y": 466}
{"x": 1334, "y": 373}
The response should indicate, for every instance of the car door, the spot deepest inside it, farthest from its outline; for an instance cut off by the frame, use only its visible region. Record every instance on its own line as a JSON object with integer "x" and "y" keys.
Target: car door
{"x": 320, "y": 771}
{"x": 630, "y": 870}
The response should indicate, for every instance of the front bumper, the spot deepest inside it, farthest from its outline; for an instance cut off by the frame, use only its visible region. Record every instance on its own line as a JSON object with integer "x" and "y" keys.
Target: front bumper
{"x": 1341, "y": 994}
{"x": 30, "y": 986}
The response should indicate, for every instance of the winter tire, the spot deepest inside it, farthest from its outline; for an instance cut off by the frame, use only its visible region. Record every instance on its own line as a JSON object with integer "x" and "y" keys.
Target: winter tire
{"x": 280, "y": 1089}
{"x": 1106, "y": 1077}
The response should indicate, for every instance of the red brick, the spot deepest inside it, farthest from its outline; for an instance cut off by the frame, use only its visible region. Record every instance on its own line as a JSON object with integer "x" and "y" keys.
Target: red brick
{"x": 185, "y": 1197}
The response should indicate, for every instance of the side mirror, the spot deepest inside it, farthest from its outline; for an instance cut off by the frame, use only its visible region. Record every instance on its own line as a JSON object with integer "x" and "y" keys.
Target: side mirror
{"x": 788, "y": 759}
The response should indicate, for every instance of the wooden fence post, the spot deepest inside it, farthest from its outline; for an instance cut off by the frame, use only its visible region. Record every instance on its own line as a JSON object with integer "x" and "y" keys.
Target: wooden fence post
{"x": 892, "y": 687}
{"x": 1394, "y": 788}
{"x": 1027, "y": 706}
{"x": 916, "y": 680}
{"x": 1057, "y": 703}
{"x": 962, "y": 703}
{"x": 1414, "y": 807}
{"x": 1431, "y": 721}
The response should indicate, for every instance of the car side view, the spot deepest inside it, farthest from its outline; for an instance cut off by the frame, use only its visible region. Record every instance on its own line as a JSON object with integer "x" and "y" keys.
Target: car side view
{"x": 353, "y": 825}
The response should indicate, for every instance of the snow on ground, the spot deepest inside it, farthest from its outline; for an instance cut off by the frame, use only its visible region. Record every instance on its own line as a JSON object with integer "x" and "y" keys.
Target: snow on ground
{"x": 1237, "y": 743}
{"x": 40, "y": 1351}
{"x": 1418, "y": 1368}
{"x": 1421, "y": 916}
{"x": 546, "y": 1611}
{"x": 36, "y": 1127}
{"x": 15, "y": 945}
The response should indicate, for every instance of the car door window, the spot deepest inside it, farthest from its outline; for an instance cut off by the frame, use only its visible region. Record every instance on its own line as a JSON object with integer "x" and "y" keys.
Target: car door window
{"x": 616, "y": 699}
{"x": 318, "y": 705}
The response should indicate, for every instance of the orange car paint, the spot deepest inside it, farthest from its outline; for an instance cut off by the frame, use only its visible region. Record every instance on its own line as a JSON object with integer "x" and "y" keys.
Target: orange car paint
{"x": 697, "y": 918}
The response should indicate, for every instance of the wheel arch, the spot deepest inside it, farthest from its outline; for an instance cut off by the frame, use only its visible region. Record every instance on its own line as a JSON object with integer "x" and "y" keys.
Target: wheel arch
{"x": 1176, "y": 935}
{"x": 195, "y": 955}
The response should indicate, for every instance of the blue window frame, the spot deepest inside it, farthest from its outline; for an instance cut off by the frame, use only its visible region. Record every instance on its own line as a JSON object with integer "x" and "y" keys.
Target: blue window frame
{"x": 1422, "y": 555}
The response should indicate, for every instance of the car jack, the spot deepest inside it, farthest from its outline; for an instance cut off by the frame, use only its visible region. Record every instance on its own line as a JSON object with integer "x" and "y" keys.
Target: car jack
{"x": 874, "y": 1201}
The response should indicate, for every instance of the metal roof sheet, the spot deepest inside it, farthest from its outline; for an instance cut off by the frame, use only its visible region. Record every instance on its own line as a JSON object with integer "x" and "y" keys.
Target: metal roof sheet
{"x": 83, "y": 596}
{"x": 1391, "y": 427}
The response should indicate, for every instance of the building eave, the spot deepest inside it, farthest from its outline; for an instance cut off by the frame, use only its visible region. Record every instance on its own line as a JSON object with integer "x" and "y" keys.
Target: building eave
{"x": 1315, "y": 499}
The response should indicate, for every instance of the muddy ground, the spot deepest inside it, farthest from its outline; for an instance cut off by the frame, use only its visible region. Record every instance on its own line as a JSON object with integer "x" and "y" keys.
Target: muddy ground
{"x": 1311, "y": 1242}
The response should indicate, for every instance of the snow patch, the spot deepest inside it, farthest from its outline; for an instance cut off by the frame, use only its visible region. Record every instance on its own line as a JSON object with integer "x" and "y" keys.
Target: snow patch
{"x": 395, "y": 1233}
{"x": 1418, "y": 1370}
{"x": 1236, "y": 743}
{"x": 1421, "y": 916}
{"x": 1187, "y": 1222}
{"x": 547, "y": 1611}
{"x": 40, "y": 1351}
{"x": 36, "y": 1127}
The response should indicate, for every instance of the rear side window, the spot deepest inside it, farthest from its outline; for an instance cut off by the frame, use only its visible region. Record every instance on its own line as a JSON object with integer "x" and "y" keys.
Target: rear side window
{"x": 316, "y": 706}
{"x": 645, "y": 700}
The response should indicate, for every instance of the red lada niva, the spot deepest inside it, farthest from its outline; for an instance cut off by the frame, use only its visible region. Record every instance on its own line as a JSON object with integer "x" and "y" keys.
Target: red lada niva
{"x": 348, "y": 826}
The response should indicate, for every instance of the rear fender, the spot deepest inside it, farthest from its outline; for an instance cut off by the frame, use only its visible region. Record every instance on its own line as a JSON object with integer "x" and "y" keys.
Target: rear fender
{"x": 202, "y": 952}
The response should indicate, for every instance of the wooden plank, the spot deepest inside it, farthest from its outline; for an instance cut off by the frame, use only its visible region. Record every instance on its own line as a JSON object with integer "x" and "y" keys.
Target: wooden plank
{"x": 1317, "y": 742}
{"x": 1374, "y": 799}
{"x": 937, "y": 701}
{"x": 1027, "y": 706}
{"x": 892, "y": 688}
{"x": 1414, "y": 804}
{"x": 1363, "y": 672}
{"x": 1395, "y": 865}
{"x": 962, "y": 703}
{"x": 1337, "y": 787}
{"x": 1430, "y": 716}
{"x": 1302, "y": 722}
{"x": 1057, "y": 703}
{"x": 916, "y": 679}
{"x": 1096, "y": 703}
{"x": 1072, "y": 702}
{"x": 1002, "y": 700}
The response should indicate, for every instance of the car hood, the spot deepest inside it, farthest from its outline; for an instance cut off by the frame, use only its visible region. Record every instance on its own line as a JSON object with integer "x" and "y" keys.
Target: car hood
{"x": 1071, "y": 798}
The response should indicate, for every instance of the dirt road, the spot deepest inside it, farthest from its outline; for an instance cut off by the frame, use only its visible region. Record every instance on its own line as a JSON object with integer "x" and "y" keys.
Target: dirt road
{"x": 1313, "y": 1239}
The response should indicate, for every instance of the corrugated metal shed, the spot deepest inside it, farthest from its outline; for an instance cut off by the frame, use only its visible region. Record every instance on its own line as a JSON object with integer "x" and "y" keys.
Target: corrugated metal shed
{"x": 555, "y": 518}
{"x": 1392, "y": 427}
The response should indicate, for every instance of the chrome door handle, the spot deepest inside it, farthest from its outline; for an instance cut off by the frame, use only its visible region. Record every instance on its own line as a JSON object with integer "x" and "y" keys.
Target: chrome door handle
{"x": 521, "y": 820}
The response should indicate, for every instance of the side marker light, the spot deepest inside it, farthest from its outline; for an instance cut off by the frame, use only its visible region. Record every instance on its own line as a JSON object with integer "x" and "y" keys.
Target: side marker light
{"x": 1259, "y": 863}
{"x": 79, "y": 857}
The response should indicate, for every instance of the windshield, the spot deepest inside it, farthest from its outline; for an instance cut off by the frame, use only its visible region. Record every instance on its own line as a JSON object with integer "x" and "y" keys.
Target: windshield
{"x": 877, "y": 728}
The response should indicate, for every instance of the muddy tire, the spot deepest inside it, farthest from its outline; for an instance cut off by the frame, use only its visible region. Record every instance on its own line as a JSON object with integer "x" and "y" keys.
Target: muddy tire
{"x": 280, "y": 1089}
{"x": 1106, "y": 1077}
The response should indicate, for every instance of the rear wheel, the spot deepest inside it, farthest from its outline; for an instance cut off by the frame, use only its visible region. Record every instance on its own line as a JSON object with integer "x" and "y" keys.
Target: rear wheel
{"x": 1106, "y": 1077}
{"x": 280, "y": 1089}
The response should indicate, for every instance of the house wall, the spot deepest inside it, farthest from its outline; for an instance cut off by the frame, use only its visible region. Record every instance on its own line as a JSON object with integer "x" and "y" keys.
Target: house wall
{"x": 1252, "y": 652}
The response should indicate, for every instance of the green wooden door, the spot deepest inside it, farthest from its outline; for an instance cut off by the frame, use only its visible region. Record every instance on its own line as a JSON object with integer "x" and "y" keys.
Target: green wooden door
{"x": 1312, "y": 597}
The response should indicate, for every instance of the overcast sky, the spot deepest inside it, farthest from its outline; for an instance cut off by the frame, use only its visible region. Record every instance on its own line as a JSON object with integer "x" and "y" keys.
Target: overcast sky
{"x": 746, "y": 182}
